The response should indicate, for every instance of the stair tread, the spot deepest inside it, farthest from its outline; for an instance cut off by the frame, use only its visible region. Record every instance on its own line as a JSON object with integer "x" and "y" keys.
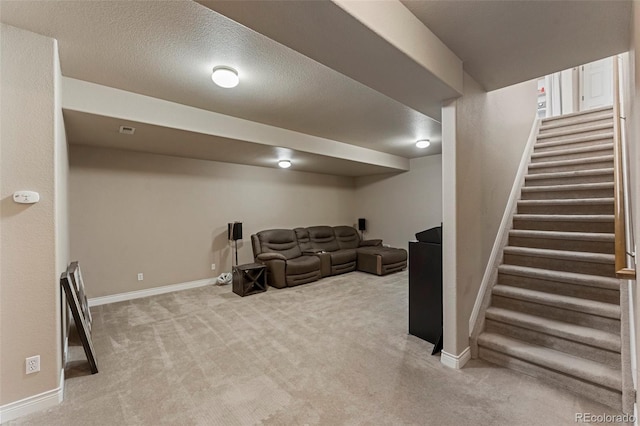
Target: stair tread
{"x": 577, "y": 333}
{"x": 579, "y": 120}
{"x": 570, "y": 174}
{"x": 561, "y": 254}
{"x": 560, "y": 235}
{"x": 568, "y": 151}
{"x": 571, "y": 303}
{"x": 566, "y": 201}
{"x": 577, "y": 139}
{"x": 565, "y": 217}
{"x": 581, "y": 129}
{"x": 581, "y": 368}
{"x": 570, "y": 187}
{"x": 560, "y": 276}
{"x": 571, "y": 162}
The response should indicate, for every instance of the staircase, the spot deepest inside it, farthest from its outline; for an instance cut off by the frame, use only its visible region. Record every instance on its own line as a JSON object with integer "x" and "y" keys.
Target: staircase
{"x": 555, "y": 307}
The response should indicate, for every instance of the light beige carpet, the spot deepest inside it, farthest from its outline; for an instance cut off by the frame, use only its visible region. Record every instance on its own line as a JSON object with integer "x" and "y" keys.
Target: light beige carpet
{"x": 333, "y": 352}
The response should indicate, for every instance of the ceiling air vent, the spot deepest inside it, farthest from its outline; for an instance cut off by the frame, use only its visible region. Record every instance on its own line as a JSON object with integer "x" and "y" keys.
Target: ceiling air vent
{"x": 127, "y": 130}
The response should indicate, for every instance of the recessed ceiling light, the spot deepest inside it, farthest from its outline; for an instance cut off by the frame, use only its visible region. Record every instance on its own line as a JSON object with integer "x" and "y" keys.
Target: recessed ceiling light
{"x": 423, "y": 143}
{"x": 285, "y": 164}
{"x": 225, "y": 77}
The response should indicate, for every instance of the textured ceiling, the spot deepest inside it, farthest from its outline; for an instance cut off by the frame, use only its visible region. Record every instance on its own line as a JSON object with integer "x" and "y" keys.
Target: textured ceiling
{"x": 166, "y": 49}
{"x": 101, "y": 131}
{"x": 506, "y": 42}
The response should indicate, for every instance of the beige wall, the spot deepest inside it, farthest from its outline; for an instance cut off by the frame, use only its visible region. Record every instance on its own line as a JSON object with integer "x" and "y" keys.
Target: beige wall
{"x": 31, "y": 143}
{"x": 167, "y": 217}
{"x": 491, "y": 131}
{"x": 399, "y": 205}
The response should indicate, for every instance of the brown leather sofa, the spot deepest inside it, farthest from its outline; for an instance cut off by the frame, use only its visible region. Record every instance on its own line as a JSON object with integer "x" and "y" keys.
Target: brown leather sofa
{"x": 304, "y": 255}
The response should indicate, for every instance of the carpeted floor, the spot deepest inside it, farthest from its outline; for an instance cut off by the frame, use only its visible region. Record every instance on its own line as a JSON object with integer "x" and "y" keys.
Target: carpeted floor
{"x": 333, "y": 352}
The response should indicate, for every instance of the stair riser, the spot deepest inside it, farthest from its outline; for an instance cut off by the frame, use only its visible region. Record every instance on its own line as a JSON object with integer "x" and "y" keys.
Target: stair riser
{"x": 577, "y": 266}
{"x": 561, "y": 288}
{"x": 594, "y": 121}
{"x": 562, "y": 226}
{"x": 591, "y": 115}
{"x": 563, "y": 244}
{"x": 606, "y": 396}
{"x": 567, "y": 194}
{"x": 571, "y": 167}
{"x": 604, "y": 150}
{"x": 551, "y": 312}
{"x": 574, "y": 134}
{"x": 610, "y": 358}
{"x": 566, "y": 209}
{"x": 568, "y": 144}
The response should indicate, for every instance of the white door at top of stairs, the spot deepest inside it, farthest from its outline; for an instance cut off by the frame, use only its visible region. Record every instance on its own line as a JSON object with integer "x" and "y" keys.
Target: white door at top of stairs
{"x": 596, "y": 84}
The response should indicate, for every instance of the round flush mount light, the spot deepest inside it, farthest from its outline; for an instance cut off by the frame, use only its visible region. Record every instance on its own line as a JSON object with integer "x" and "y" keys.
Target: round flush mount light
{"x": 423, "y": 143}
{"x": 225, "y": 77}
{"x": 285, "y": 164}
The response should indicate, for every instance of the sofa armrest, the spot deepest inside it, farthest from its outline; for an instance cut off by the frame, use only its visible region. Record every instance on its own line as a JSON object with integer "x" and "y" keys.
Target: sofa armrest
{"x": 263, "y": 257}
{"x": 368, "y": 243}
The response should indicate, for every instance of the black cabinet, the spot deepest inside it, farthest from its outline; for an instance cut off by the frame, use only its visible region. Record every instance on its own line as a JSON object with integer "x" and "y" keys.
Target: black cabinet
{"x": 425, "y": 292}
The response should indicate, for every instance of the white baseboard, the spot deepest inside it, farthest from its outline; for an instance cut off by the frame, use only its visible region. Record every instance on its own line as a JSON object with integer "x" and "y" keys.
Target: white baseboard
{"x": 33, "y": 403}
{"x": 121, "y": 297}
{"x": 456, "y": 361}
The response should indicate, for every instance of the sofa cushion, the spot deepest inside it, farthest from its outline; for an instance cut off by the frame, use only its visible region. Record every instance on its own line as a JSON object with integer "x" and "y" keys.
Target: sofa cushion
{"x": 281, "y": 241}
{"x": 347, "y": 237}
{"x": 303, "y": 265}
{"x": 339, "y": 257}
{"x": 322, "y": 237}
{"x": 303, "y": 239}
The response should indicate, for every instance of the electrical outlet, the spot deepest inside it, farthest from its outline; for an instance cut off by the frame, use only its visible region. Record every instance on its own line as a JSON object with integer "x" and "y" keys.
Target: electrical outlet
{"x": 213, "y": 266}
{"x": 33, "y": 364}
{"x": 140, "y": 276}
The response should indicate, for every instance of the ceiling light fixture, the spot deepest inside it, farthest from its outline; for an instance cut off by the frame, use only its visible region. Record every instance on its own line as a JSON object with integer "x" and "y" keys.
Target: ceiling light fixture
{"x": 225, "y": 77}
{"x": 285, "y": 164}
{"x": 423, "y": 143}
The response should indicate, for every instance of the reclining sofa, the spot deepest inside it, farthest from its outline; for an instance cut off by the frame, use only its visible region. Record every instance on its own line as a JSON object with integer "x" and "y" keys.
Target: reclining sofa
{"x": 302, "y": 255}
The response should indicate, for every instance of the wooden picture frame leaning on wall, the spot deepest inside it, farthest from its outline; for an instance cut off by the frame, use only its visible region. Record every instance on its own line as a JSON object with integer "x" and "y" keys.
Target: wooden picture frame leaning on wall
{"x": 73, "y": 286}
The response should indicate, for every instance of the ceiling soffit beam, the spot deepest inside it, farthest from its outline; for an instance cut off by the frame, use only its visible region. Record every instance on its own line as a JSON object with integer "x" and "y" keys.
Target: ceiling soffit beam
{"x": 380, "y": 44}
{"x": 83, "y": 96}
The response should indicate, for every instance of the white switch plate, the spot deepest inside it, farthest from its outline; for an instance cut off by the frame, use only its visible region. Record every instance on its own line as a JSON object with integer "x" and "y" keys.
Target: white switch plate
{"x": 26, "y": 197}
{"x": 213, "y": 266}
{"x": 140, "y": 276}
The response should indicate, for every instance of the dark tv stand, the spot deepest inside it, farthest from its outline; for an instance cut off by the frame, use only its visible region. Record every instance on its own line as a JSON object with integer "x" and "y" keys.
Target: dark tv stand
{"x": 425, "y": 292}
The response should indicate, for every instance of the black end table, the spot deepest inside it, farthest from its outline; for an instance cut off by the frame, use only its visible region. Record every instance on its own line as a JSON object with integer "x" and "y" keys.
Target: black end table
{"x": 249, "y": 279}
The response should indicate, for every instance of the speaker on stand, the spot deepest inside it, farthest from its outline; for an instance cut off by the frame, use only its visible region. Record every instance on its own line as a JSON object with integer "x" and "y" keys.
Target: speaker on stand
{"x": 362, "y": 226}
{"x": 234, "y": 233}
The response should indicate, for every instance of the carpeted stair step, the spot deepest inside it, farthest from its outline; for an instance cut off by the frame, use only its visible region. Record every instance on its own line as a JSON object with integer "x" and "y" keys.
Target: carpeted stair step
{"x": 576, "y": 116}
{"x": 556, "y": 240}
{"x": 561, "y": 260}
{"x": 585, "y": 377}
{"x": 570, "y": 191}
{"x": 566, "y": 133}
{"x": 565, "y": 223}
{"x": 567, "y": 206}
{"x": 574, "y": 142}
{"x": 594, "y": 344}
{"x": 610, "y": 325}
{"x": 571, "y": 177}
{"x": 582, "y": 120}
{"x": 573, "y": 153}
{"x": 597, "y": 162}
